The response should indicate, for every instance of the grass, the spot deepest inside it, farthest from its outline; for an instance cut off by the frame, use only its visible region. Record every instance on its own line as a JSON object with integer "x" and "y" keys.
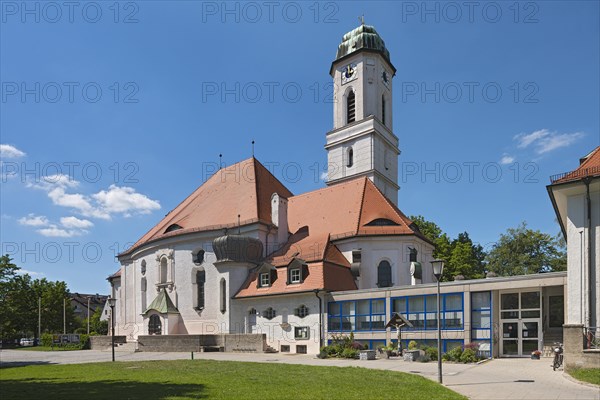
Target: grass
{"x": 589, "y": 375}
{"x": 188, "y": 379}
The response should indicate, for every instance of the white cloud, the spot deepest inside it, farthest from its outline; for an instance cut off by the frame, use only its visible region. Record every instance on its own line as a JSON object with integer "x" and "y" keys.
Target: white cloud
{"x": 53, "y": 181}
{"x": 507, "y": 159}
{"x": 54, "y": 231}
{"x": 544, "y": 141}
{"x": 124, "y": 200}
{"x": 34, "y": 220}
{"x": 8, "y": 151}
{"x": 74, "y": 222}
{"x": 31, "y": 273}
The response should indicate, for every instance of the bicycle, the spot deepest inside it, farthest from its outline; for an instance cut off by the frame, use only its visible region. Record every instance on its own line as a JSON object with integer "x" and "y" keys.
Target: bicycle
{"x": 557, "y": 349}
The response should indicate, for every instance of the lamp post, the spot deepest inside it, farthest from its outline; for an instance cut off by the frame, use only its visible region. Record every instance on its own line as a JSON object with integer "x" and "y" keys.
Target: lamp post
{"x": 111, "y": 302}
{"x": 438, "y": 268}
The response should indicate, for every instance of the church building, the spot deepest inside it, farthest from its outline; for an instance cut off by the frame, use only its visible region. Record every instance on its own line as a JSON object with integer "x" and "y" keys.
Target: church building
{"x": 243, "y": 264}
{"x": 242, "y": 254}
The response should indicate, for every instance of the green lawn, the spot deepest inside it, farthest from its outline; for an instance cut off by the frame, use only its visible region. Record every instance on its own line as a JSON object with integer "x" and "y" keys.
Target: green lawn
{"x": 188, "y": 379}
{"x": 590, "y": 375}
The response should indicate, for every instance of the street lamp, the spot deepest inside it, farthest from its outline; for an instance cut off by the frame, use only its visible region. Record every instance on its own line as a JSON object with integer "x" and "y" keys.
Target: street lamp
{"x": 438, "y": 269}
{"x": 111, "y": 302}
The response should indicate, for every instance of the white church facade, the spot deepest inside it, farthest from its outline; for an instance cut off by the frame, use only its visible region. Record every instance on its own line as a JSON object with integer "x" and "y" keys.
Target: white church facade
{"x": 243, "y": 257}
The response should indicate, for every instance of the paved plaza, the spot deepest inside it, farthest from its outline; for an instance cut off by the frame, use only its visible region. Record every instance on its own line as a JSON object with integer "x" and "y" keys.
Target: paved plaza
{"x": 496, "y": 379}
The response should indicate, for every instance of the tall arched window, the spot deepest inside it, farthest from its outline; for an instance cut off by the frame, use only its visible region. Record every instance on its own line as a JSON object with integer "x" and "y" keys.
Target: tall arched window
{"x": 154, "y": 325}
{"x": 351, "y": 108}
{"x": 384, "y": 274}
{"x": 200, "y": 281}
{"x": 350, "y": 157}
{"x": 143, "y": 286}
{"x": 163, "y": 270}
{"x": 223, "y": 296}
{"x": 383, "y": 109}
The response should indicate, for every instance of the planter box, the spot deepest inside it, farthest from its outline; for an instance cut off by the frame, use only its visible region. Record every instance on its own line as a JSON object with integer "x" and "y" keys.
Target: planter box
{"x": 367, "y": 355}
{"x": 411, "y": 355}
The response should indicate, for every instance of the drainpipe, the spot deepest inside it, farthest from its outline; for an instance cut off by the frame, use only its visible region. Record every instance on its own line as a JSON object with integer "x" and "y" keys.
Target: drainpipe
{"x": 591, "y": 274}
{"x": 316, "y": 291}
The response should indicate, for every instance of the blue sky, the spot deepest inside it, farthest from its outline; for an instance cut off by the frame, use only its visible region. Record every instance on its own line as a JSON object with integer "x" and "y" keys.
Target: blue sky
{"x": 127, "y": 106}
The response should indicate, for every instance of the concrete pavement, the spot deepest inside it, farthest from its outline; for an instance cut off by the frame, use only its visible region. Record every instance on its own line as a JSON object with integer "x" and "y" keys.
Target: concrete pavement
{"x": 495, "y": 379}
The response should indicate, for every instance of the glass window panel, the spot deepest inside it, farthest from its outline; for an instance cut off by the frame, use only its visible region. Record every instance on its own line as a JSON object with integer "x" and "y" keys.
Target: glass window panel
{"x": 453, "y": 301}
{"x": 510, "y": 315}
{"x": 451, "y": 344}
{"x": 334, "y": 309}
{"x": 510, "y": 347}
{"x": 399, "y": 305}
{"x": 530, "y": 300}
{"x": 378, "y": 322}
{"x": 348, "y": 324}
{"x": 480, "y": 300}
{"x": 417, "y": 320}
{"x": 363, "y": 323}
{"x": 416, "y": 304}
{"x": 510, "y": 330}
{"x": 510, "y": 301}
{"x": 481, "y": 334}
{"x": 377, "y": 343}
{"x": 556, "y": 313}
{"x": 530, "y": 314}
{"x": 530, "y": 330}
{"x": 378, "y": 306}
{"x": 453, "y": 319}
{"x": 431, "y": 320}
{"x": 481, "y": 319}
{"x": 431, "y": 303}
{"x": 348, "y": 308}
{"x": 362, "y": 307}
{"x": 529, "y": 346}
{"x": 334, "y": 324}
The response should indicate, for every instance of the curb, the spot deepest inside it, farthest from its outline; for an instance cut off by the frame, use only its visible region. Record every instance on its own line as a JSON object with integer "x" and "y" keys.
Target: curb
{"x": 570, "y": 378}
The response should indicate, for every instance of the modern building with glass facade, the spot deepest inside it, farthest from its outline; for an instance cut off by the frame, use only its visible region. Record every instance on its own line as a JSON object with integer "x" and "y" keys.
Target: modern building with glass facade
{"x": 505, "y": 316}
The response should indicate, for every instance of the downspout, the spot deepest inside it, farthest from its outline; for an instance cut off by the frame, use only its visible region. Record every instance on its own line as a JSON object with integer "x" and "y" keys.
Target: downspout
{"x": 591, "y": 275}
{"x": 316, "y": 291}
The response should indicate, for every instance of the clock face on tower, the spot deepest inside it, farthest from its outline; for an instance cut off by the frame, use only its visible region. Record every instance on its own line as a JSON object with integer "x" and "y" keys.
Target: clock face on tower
{"x": 349, "y": 73}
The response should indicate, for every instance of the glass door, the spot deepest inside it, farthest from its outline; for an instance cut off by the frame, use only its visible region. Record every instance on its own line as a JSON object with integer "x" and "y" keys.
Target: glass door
{"x": 520, "y": 321}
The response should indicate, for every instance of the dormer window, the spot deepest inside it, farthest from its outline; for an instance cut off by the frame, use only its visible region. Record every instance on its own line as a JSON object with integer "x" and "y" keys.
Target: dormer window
{"x": 173, "y": 227}
{"x": 295, "y": 275}
{"x": 265, "y": 279}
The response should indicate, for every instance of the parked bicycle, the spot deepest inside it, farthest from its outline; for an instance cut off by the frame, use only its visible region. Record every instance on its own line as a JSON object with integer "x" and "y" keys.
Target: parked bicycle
{"x": 557, "y": 349}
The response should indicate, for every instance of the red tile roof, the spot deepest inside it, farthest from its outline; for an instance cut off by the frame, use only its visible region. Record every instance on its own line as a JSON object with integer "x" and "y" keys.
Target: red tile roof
{"x": 589, "y": 167}
{"x": 243, "y": 189}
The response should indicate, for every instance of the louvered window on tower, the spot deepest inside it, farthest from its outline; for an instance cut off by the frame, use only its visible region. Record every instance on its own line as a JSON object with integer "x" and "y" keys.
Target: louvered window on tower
{"x": 383, "y": 109}
{"x": 351, "y": 107}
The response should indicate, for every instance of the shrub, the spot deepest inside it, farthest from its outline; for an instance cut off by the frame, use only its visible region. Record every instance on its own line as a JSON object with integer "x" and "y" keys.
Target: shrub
{"x": 468, "y": 356}
{"x": 425, "y": 358}
{"x": 46, "y": 339}
{"x": 322, "y": 354}
{"x": 350, "y": 353}
{"x": 453, "y": 355}
{"x": 80, "y": 331}
{"x": 413, "y": 345}
{"x": 432, "y": 353}
{"x": 356, "y": 346}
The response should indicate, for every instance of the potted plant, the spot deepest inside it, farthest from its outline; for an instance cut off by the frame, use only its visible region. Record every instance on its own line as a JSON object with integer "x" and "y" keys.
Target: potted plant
{"x": 535, "y": 355}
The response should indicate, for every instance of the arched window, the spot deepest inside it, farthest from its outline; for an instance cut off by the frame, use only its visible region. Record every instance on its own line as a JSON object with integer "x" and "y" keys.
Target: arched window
{"x": 350, "y": 157}
{"x": 351, "y": 107}
{"x": 154, "y": 325}
{"x": 173, "y": 227}
{"x": 163, "y": 270}
{"x": 383, "y": 109}
{"x": 200, "y": 281}
{"x": 143, "y": 267}
{"x": 384, "y": 274}
{"x": 143, "y": 287}
{"x": 223, "y": 287}
{"x": 198, "y": 257}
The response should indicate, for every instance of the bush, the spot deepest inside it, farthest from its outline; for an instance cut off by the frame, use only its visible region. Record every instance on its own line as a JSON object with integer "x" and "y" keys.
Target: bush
{"x": 432, "y": 353}
{"x": 80, "y": 331}
{"x": 453, "y": 355}
{"x": 425, "y": 358}
{"x": 468, "y": 356}
{"x": 323, "y": 354}
{"x": 46, "y": 339}
{"x": 413, "y": 345}
{"x": 84, "y": 342}
{"x": 350, "y": 353}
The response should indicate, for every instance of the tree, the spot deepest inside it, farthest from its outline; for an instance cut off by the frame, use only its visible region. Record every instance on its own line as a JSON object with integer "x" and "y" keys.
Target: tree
{"x": 461, "y": 255}
{"x": 96, "y": 325}
{"x": 7, "y": 269}
{"x": 522, "y": 251}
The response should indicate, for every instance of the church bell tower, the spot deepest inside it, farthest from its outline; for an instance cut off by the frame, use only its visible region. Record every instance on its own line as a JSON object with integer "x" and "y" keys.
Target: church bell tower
{"x": 362, "y": 142}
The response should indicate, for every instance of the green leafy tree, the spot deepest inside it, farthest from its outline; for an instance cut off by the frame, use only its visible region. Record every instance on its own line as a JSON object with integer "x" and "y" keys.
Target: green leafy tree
{"x": 522, "y": 251}
{"x": 96, "y": 325}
